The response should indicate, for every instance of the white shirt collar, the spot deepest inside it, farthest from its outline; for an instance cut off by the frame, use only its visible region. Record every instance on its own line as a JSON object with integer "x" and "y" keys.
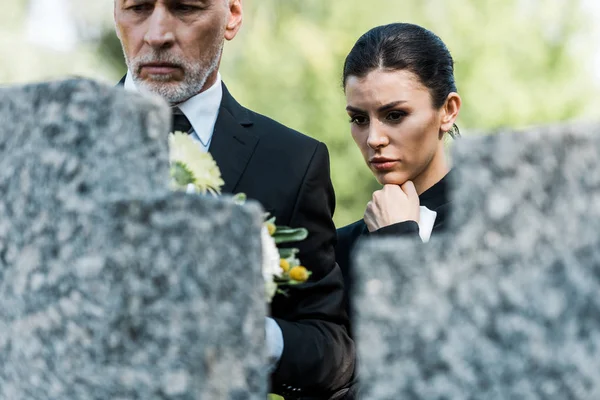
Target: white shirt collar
{"x": 426, "y": 222}
{"x": 201, "y": 110}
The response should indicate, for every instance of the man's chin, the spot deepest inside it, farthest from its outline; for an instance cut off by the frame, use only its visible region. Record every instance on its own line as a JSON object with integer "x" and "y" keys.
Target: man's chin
{"x": 155, "y": 79}
{"x": 159, "y": 84}
{"x": 173, "y": 92}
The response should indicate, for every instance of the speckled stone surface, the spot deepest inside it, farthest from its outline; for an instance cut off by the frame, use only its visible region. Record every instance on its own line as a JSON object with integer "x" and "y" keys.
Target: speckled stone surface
{"x": 136, "y": 300}
{"x": 85, "y": 131}
{"x": 504, "y": 305}
{"x": 111, "y": 286}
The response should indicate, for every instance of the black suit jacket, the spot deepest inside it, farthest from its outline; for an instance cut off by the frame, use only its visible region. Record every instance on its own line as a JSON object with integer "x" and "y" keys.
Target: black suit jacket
{"x": 288, "y": 173}
{"x": 435, "y": 198}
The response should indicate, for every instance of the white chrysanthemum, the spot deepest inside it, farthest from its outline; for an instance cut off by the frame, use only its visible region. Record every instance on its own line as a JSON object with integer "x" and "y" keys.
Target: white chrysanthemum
{"x": 270, "y": 290}
{"x": 270, "y": 262}
{"x": 191, "y": 161}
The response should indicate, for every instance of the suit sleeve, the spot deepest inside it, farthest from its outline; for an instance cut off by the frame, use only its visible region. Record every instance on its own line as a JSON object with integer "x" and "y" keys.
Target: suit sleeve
{"x": 406, "y": 228}
{"x": 318, "y": 355}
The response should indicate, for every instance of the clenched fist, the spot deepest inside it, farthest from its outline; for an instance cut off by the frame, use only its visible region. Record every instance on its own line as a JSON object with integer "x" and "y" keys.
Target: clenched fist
{"x": 391, "y": 205}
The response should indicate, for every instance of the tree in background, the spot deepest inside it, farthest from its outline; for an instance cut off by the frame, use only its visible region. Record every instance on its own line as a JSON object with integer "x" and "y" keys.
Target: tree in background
{"x": 518, "y": 62}
{"x": 25, "y": 60}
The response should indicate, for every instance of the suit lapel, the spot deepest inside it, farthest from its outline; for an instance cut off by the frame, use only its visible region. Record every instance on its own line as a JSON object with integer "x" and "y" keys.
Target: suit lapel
{"x": 232, "y": 143}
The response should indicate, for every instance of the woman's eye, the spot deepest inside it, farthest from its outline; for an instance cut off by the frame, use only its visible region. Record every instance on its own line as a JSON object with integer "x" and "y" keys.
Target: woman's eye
{"x": 359, "y": 120}
{"x": 396, "y": 115}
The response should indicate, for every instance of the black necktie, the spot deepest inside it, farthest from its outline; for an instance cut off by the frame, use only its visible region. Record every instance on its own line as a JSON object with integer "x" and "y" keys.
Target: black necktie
{"x": 180, "y": 121}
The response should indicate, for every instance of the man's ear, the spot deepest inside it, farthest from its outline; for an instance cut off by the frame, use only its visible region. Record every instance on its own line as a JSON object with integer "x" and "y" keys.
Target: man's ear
{"x": 234, "y": 21}
{"x": 450, "y": 111}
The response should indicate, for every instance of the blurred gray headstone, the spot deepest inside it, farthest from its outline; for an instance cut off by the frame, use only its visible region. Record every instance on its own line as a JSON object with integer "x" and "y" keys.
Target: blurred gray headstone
{"x": 99, "y": 140}
{"x": 112, "y": 287}
{"x": 504, "y": 305}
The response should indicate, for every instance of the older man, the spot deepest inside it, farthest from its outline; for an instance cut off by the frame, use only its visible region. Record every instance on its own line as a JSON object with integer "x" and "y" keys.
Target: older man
{"x": 173, "y": 48}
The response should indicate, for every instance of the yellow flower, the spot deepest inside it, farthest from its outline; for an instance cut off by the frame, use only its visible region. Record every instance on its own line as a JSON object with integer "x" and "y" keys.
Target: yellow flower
{"x": 189, "y": 164}
{"x": 284, "y": 264}
{"x": 271, "y": 227}
{"x": 299, "y": 274}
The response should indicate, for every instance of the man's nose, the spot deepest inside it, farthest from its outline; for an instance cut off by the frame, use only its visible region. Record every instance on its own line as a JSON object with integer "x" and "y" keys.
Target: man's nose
{"x": 160, "y": 33}
{"x": 377, "y": 136}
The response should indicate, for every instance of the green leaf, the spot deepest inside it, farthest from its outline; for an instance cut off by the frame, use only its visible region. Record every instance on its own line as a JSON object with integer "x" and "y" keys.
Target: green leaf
{"x": 283, "y": 234}
{"x": 287, "y": 252}
{"x": 181, "y": 174}
{"x": 272, "y": 396}
{"x": 239, "y": 198}
{"x": 287, "y": 229}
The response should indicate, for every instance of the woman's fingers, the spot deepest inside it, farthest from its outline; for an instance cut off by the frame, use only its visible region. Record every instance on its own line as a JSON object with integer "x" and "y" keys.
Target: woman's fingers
{"x": 391, "y": 205}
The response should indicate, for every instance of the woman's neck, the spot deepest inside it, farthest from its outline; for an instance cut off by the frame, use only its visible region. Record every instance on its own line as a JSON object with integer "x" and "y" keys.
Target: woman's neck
{"x": 434, "y": 172}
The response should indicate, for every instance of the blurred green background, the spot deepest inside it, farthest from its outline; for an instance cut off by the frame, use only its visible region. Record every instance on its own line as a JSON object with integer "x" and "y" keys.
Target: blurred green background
{"x": 518, "y": 62}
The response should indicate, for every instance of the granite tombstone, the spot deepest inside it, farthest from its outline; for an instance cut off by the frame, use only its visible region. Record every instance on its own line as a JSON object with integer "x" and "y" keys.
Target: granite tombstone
{"x": 504, "y": 304}
{"x": 112, "y": 286}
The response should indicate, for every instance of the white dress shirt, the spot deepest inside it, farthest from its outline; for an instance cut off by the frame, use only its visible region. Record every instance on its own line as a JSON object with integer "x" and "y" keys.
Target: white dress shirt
{"x": 202, "y": 111}
{"x": 426, "y": 222}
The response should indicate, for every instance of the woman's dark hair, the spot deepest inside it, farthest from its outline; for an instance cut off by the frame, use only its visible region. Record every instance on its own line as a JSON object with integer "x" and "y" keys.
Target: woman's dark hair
{"x": 403, "y": 46}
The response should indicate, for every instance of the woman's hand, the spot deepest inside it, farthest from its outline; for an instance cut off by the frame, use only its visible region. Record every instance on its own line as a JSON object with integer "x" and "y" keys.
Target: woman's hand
{"x": 391, "y": 205}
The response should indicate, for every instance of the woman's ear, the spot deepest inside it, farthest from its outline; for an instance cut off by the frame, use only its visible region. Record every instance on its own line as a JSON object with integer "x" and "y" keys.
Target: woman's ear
{"x": 450, "y": 111}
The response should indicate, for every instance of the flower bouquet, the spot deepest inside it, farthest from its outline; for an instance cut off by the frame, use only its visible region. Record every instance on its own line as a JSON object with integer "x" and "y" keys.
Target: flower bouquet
{"x": 193, "y": 170}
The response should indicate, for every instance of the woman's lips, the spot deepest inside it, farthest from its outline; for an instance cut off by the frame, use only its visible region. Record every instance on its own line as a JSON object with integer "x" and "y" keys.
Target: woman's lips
{"x": 383, "y": 164}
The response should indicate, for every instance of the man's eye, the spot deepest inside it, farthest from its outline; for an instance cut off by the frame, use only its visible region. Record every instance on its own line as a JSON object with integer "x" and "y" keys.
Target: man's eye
{"x": 140, "y": 8}
{"x": 184, "y": 8}
{"x": 359, "y": 120}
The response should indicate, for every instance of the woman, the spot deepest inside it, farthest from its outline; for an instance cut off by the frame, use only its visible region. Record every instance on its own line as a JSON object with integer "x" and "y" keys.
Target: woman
{"x": 402, "y": 102}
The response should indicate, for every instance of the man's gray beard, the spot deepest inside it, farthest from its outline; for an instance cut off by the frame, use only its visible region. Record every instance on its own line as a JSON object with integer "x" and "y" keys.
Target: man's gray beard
{"x": 195, "y": 76}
